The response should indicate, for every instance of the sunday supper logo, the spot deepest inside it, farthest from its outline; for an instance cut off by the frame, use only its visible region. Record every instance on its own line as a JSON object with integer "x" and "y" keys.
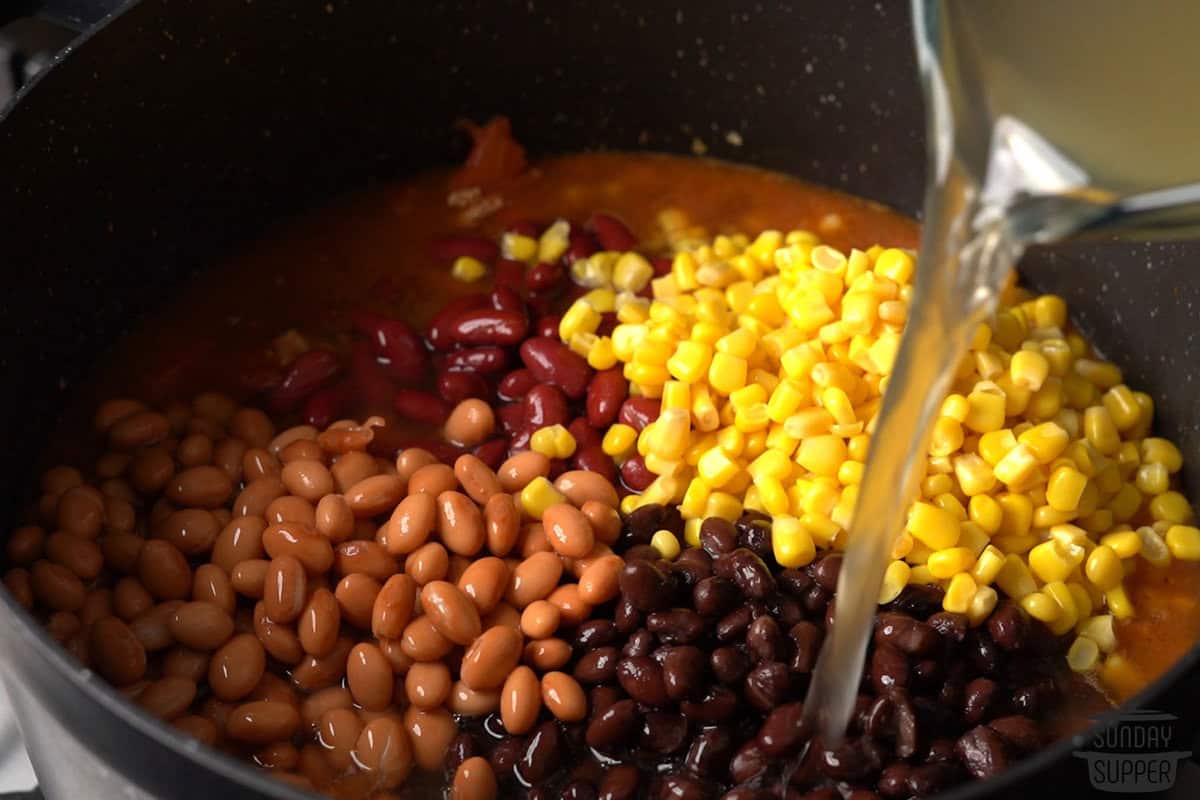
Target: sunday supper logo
{"x": 1134, "y": 753}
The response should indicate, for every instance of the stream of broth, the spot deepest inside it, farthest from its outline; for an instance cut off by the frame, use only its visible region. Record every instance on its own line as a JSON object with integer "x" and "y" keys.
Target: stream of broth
{"x": 309, "y": 273}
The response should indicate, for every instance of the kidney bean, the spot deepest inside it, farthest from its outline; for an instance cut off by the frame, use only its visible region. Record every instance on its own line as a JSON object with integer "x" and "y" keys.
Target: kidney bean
{"x": 480, "y": 248}
{"x": 729, "y": 665}
{"x": 396, "y": 347}
{"x": 547, "y": 325}
{"x": 491, "y": 453}
{"x": 310, "y": 371}
{"x": 598, "y": 665}
{"x": 783, "y": 731}
{"x": 509, "y": 272}
{"x": 421, "y": 406}
{"x": 663, "y": 732}
{"x": 515, "y": 384}
{"x": 551, "y": 361}
{"x": 606, "y": 393}
{"x": 620, "y": 783}
{"x": 638, "y": 412}
{"x": 543, "y": 276}
{"x": 612, "y": 233}
{"x": 544, "y": 405}
{"x": 806, "y": 641}
{"x": 635, "y": 475}
{"x": 767, "y": 684}
{"x": 492, "y": 326}
{"x": 440, "y": 332}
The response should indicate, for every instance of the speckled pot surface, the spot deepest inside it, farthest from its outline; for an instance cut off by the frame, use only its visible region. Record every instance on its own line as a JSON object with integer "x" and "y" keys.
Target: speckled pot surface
{"x": 183, "y": 127}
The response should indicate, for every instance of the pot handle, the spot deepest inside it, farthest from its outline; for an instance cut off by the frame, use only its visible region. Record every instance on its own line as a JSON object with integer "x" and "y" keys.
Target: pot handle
{"x": 78, "y": 15}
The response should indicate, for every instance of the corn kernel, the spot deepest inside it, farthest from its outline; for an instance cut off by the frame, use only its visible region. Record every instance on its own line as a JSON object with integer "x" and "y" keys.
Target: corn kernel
{"x": 518, "y": 247}
{"x": 727, "y": 373}
{"x": 1100, "y": 373}
{"x": 467, "y": 269}
{"x": 553, "y": 441}
{"x": 933, "y": 526}
{"x": 1171, "y": 507}
{"x": 983, "y": 603}
{"x": 666, "y": 544}
{"x": 1120, "y": 677}
{"x": 691, "y": 531}
{"x": 723, "y": 505}
{"x": 1083, "y": 654}
{"x": 895, "y": 578}
{"x": 995, "y": 445}
{"x": 1017, "y": 466}
{"x": 949, "y": 562}
{"x": 895, "y": 264}
{"x": 1014, "y": 578}
{"x": 959, "y": 594}
{"x": 1065, "y": 488}
{"x": 988, "y": 565}
{"x": 1184, "y": 542}
{"x": 618, "y": 440}
{"x": 1118, "y": 602}
{"x": 791, "y": 541}
{"x": 975, "y": 476}
{"x": 1162, "y": 451}
{"x": 1053, "y": 560}
{"x": 985, "y": 512}
{"x": 1100, "y": 630}
{"x": 539, "y": 495}
{"x": 716, "y": 468}
{"x": 1041, "y": 607}
{"x": 1154, "y": 549}
{"x": 821, "y": 454}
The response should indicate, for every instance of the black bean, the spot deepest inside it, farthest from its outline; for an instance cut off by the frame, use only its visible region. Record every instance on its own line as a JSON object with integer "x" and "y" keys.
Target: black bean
{"x": 806, "y": 641}
{"x": 709, "y": 753}
{"x": 729, "y": 664}
{"x": 889, "y": 668}
{"x": 931, "y": 778}
{"x": 893, "y": 781}
{"x": 918, "y": 600}
{"x": 717, "y": 536}
{"x": 644, "y": 585}
{"x": 663, "y": 732}
{"x": 815, "y": 601}
{"x": 461, "y": 748}
{"x": 640, "y": 643}
{"x": 907, "y": 728}
{"x": 794, "y": 581}
{"x": 683, "y": 671}
{"x": 683, "y": 787}
{"x": 862, "y": 794}
{"x": 733, "y": 625}
{"x": 756, "y": 537}
{"x": 677, "y": 626}
{"x": 765, "y": 641}
{"x": 940, "y": 750}
{"x": 578, "y": 790}
{"x": 1008, "y": 627}
{"x": 750, "y": 573}
{"x": 644, "y": 522}
{"x": 820, "y": 793}
{"x": 717, "y": 704}
{"x": 595, "y": 633}
{"x": 925, "y": 676}
{"x": 950, "y": 626}
{"x": 601, "y": 697}
{"x": 1021, "y": 733}
{"x": 849, "y": 762}
{"x": 626, "y": 616}
{"x": 783, "y": 730}
{"x": 1029, "y": 700}
{"x": 933, "y": 717}
{"x": 980, "y": 698}
{"x": 982, "y": 751}
{"x": 983, "y": 653}
{"x": 642, "y": 679}
{"x": 493, "y": 726}
{"x": 543, "y": 749}
{"x": 620, "y": 783}
{"x": 642, "y": 552}
{"x": 748, "y": 792}
{"x": 714, "y": 596}
{"x": 504, "y": 756}
{"x": 612, "y": 726}
{"x": 748, "y": 763}
{"x": 880, "y": 718}
{"x": 692, "y": 565}
{"x": 752, "y": 518}
{"x": 767, "y": 684}
{"x": 787, "y": 610}
{"x": 825, "y": 571}
{"x": 598, "y": 666}
{"x": 910, "y": 635}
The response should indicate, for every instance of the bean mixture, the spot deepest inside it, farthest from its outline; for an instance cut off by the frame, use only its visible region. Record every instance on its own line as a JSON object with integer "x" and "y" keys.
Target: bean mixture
{"x": 576, "y": 535}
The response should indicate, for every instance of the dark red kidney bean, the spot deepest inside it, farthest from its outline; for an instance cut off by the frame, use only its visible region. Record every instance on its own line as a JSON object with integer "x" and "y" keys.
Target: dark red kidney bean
{"x": 492, "y": 453}
{"x": 620, "y": 783}
{"x": 454, "y": 387}
{"x": 642, "y": 679}
{"x": 677, "y": 626}
{"x": 608, "y": 321}
{"x": 512, "y": 417}
{"x": 767, "y": 685}
{"x": 709, "y": 752}
{"x": 612, "y": 726}
{"x": 1007, "y": 627}
{"x": 509, "y": 273}
{"x": 581, "y": 244}
{"x": 979, "y": 700}
{"x": 396, "y": 347}
{"x": 640, "y": 643}
{"x": 543, "y": 749}
{"x": 729, "y": 665}
{"x": 504, "y": 298}
{"x": 585, "y": 435}
{"x": 714, "y": 596}
{"x": 486, "y": 360}
{"x": 420, "y": 406}
{"x": 806, "y": 645}
{"x": 612, "y": 233}
{"x": 448, "y": 248}
{"x": 765, "y": 640}
{"x": 543, "y": 276}
{"x": 683, "y": 671}
{"x": 325, "y": 405}
{"x": 526, "y": 227}
{"x": 544, "y": 405}
{"x": 515, "y": 384}
{"x": 982, "y": 751}
{"x": 309, "y": 372}
{"x": 551, "y": 361}
{"x": 662, "y": 265}
{"x": 1021, "y": 733}
{"x": 638, "y": 412}
{"x": 783, "y": 730}
{"x": 440, "y": 334}
{"x": 663, "y": 732}
{"x": 606, "y": 393}
{"x": 547, "y": 325}
{"x": 900, "y": 630}
{"x": 597, "y": 666}
{"x": 718, "y": 703}
{"x": 489, "y": 326}
{"x": 889, "y": 668}
{"x": 367, "y": 379}
{"x": 635, "y": 475}
{"x": 644, "y": 585}
{"x": 594, "y": 459}
{"x": 748, "y": 763}
{"x": 520, "y": 440}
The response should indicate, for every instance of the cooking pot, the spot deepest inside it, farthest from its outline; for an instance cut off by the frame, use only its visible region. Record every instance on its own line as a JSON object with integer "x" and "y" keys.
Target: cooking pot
{"x": 173, "y": 130}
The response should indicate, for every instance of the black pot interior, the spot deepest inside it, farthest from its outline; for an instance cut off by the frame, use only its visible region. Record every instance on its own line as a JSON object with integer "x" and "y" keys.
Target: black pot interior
{"x": 178, "y": 132}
